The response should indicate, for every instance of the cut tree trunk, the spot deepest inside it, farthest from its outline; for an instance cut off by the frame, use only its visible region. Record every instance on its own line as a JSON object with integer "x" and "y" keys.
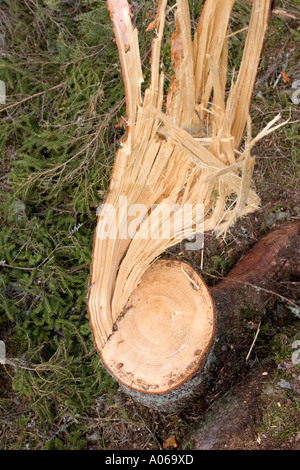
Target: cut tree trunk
{"x": 154, "y": 321}
{"x": 165, "y": 331}
{"x": 160, "y": 353}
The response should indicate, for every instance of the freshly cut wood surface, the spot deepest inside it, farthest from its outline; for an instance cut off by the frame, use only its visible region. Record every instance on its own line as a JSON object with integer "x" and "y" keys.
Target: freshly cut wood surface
{"x": 164, "y": 331}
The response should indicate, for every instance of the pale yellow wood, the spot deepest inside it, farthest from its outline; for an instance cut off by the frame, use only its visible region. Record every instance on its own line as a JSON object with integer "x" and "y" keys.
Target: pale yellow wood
{"x": 167, "y": 326}
{"x": 240, "y": 96}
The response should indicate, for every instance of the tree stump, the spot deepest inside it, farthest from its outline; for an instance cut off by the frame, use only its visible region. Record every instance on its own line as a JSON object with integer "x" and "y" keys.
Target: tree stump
{"x": 154, "y": 320}
{"x": 185, "y": 325}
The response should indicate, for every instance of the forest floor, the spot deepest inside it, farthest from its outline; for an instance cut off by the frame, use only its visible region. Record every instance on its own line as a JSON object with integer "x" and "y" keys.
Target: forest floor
{"x": 59, "y": 131}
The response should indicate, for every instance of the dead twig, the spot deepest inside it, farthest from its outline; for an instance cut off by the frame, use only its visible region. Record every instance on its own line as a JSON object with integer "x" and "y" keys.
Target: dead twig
{"x": 32, "y": 96}
{"x": 253, "y": 342}
{"x": 254, "y": 286}
{"x": 86, "y": 147}
{"x": 280, "y": 13}
{"x": 275, "y": 64}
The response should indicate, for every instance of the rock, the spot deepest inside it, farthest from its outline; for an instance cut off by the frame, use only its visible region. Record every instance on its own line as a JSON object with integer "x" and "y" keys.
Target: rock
{"x": 277, "y": 217}
{"x": 93, "y": 437}
{"x": 284, "y": 384}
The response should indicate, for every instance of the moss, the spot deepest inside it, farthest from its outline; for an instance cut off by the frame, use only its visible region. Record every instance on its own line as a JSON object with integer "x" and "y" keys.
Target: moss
{"x": 247, "y": 313}
{"x": 282, "y": 343}
{"x": 280, "y": 421}
{"x": 281, "y": 405}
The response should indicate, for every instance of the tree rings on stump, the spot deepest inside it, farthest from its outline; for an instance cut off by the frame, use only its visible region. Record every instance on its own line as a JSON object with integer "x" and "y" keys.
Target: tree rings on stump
{"x": 166, "y": 328}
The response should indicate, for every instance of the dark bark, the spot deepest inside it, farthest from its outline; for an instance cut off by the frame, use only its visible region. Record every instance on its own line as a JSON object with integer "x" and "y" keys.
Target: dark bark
{"x": 231, "y": 422}
{"x": 240, "y": 419}
{"x": 247, "y": 286}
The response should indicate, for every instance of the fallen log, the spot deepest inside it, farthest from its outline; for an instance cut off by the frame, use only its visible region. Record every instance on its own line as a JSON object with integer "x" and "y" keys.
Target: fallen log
{"x": 232, "y": 421}
{"x": 246, "y": 417}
